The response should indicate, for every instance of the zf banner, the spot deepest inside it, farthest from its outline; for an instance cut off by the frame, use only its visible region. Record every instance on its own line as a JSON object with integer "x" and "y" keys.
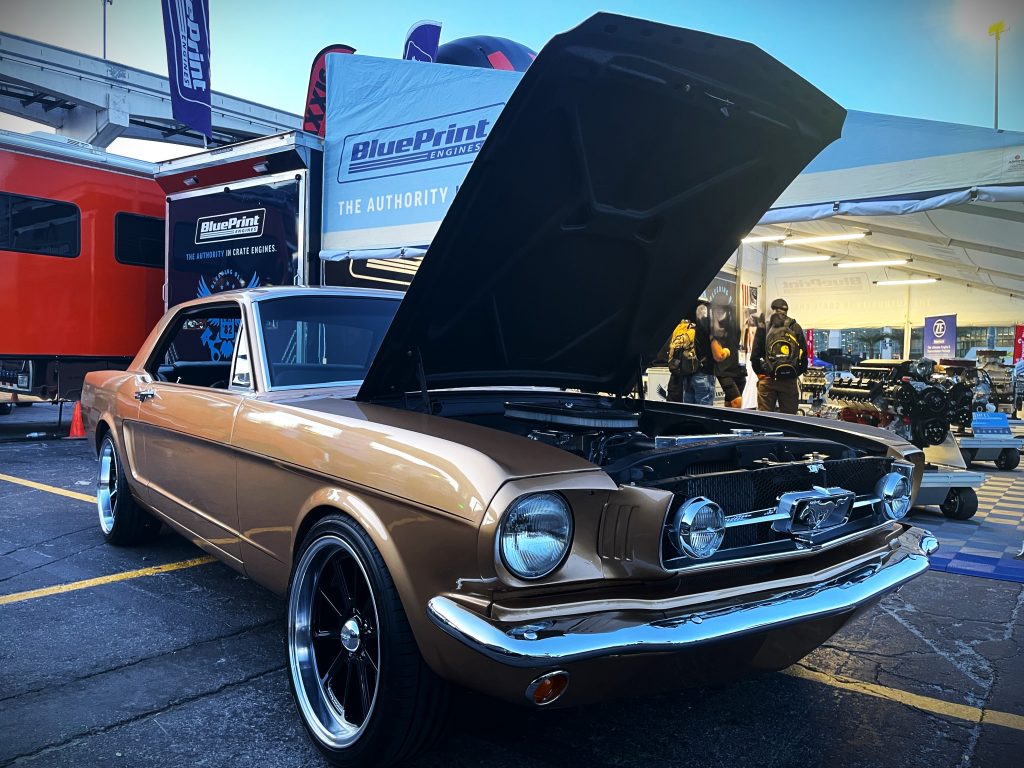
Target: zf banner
{"x": 1018, "y": 344}
{"x": 187, "y": 35}
{"x": 940, "y": 336}
{"x": 400, "y": 139}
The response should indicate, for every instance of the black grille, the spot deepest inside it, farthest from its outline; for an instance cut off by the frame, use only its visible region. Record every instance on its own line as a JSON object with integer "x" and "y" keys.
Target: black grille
{"x": 739, "y": 492}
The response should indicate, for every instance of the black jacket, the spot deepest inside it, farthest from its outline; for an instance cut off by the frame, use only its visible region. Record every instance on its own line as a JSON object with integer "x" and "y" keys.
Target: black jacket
{"x": 758, "y": 352}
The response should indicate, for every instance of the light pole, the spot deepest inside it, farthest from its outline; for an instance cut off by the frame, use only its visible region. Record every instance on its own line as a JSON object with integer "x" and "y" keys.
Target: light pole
{"x": 996, "y": 30}
{"x": 105, "y": 3}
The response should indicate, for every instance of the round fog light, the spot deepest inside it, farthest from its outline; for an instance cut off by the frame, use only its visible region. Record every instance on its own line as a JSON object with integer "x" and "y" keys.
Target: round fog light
{"x": 893, "y": 492}
{"x": 546, "y": 688}
{"x": 699, "y": 527}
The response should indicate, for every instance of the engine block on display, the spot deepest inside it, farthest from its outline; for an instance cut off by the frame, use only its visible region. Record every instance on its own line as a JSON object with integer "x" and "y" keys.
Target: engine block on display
{"x": 1006, "y": 389}
{"x": 899, "y": 395}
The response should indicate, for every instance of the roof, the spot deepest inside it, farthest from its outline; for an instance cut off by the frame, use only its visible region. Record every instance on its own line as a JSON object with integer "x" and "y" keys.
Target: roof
{"x": 948, "y": 196}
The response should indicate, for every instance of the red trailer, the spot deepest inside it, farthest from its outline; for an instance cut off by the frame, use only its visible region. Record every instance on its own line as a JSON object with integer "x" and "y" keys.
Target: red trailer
{"x": 81, "y": 263}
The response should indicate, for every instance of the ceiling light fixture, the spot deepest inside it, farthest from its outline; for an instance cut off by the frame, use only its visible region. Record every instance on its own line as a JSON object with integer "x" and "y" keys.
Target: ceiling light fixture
{"x": 763, "y": 239}
{"x": 796, "y": 259}
{"x": 824, "y": 238}
{"x": 909, "y": 281}
{"x": 882, "y": 263}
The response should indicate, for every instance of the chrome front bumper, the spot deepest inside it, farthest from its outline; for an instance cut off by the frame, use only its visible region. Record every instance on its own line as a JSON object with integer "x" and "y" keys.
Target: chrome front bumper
{"x": 549, "y": 643}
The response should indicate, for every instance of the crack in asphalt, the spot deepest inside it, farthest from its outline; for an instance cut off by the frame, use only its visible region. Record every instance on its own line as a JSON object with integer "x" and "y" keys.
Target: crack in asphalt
{"x": 45, "y": 541}
{"x": 171, "y": 705}
{"x": 143, "y": 659}
{"x": 55, "y": 560}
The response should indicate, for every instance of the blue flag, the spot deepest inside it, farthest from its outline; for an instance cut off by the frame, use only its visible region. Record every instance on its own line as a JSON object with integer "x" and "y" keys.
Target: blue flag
{"x": 187, "y": 35}
{"x": 422, "y": 41}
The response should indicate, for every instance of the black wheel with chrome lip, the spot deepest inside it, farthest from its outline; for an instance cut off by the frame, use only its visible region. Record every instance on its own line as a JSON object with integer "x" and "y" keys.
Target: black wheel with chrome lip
{"x": 364, "y": 693}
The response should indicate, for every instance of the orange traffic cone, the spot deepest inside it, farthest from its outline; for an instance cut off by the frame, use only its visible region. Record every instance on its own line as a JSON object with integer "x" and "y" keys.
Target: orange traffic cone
{"x": 77, "y": 427}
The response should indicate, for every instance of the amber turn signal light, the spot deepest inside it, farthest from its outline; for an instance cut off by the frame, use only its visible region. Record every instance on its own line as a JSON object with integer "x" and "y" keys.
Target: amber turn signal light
{"x": 546, "y": 688}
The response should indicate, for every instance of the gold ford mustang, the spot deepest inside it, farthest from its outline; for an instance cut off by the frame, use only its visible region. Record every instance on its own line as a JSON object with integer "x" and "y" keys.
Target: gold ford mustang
{"x": 465, "y": 484}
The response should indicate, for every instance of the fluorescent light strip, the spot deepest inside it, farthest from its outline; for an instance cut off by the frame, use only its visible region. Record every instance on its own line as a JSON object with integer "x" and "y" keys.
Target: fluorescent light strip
{"x": 796, "y": 259}
{"x": 910, "y": 281}
{"x": 763, "y": 239}
{"x": 824, "y": 238}
{"x": 883, "y": 263}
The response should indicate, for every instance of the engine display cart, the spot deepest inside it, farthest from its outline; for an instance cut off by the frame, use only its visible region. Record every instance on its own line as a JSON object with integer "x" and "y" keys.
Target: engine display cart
{"x": 990, "y": 438}
{"x": 947, "y": 483}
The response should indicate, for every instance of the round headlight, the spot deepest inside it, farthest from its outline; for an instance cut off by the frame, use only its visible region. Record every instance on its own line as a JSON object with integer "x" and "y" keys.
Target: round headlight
{"x": 893, "y": 492}
{"x": 535, "y": 535}
{"x": 699, "y": 527}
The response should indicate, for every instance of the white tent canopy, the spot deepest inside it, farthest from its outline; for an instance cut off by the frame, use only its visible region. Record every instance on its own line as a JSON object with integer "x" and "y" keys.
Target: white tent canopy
{"x": 948, "y": 197}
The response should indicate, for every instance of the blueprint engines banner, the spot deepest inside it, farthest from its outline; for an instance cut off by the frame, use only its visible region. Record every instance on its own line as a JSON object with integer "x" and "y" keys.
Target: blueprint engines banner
{"x": 940, "y": 336}
{"x": 400, "y": 139}
{"x": 187, "y": 35}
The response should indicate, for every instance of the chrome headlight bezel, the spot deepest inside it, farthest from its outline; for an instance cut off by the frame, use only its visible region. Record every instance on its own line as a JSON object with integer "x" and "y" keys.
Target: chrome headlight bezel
{"x": 895, "y": 493}
{"x": 559, "y": 508}
{"x": 682, "y": 527}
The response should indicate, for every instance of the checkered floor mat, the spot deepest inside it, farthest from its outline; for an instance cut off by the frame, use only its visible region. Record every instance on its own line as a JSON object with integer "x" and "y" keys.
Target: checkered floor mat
{"x": 990, "y": 543}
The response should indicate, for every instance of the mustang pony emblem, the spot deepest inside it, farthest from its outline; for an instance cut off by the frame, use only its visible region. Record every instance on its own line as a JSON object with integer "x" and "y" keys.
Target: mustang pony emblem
{"x": 817, "y": 511}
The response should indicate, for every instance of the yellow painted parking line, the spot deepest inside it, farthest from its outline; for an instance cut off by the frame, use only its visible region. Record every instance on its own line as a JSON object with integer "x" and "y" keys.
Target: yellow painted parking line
{"x": 49, "y": 488}
{"x": 924, "y": 703}
{"x": 87, "y": 583}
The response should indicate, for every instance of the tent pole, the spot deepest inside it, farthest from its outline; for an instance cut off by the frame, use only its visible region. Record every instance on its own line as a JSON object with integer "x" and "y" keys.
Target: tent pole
{"x": 906, "y": 327}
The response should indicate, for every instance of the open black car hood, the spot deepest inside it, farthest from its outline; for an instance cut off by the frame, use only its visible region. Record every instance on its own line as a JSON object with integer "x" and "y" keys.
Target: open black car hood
{"x": 621, "y": 175}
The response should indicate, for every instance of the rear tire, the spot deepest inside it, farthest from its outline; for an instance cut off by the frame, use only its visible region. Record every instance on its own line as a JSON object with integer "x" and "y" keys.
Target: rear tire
{"x": 960, "y": 504}
{"x": 122, "y": 521}
{"x": 361, "y": 688}
{"x": 1008, "y": 459}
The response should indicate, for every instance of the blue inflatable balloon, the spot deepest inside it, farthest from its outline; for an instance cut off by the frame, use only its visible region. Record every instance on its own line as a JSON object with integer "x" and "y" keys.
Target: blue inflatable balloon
{"x": 487, "y": 52}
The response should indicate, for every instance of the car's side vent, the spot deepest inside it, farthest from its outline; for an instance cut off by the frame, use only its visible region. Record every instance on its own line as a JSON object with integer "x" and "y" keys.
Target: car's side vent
{"x": 613, "y": 540}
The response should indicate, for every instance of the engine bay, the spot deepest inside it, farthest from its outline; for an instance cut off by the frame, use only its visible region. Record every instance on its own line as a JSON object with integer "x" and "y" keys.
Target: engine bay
{"x": 642, "y": 447}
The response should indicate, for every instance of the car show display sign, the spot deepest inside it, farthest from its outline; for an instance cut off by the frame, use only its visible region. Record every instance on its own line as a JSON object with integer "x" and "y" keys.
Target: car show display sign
{"x": 987, "y": 423}
{"x": 400, "y": 139}
{"x": 244, "y": 237}
{"x": 187, "y": 37}
{"x": 940, "y": 336}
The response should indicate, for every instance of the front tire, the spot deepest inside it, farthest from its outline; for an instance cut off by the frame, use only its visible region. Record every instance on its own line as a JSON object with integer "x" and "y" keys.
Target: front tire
{"x": 362, "y": 690}
{"x": 122, "y": 521}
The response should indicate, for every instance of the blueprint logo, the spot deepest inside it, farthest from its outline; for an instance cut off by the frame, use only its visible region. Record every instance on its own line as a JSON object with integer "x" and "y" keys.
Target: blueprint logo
{"x": 435, "y": 142}
{"x": 230, "y": 226}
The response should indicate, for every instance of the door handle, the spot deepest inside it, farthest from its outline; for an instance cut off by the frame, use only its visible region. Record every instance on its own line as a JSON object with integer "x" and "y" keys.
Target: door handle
{"x": 143, "y": 395}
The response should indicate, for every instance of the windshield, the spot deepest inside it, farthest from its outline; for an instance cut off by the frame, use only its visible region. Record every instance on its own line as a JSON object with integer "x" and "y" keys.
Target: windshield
{"x": 317, "y": 340}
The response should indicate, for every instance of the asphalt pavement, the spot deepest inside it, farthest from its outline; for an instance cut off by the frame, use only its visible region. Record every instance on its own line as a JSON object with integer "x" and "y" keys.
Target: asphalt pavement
{"x": 186, "y": 666}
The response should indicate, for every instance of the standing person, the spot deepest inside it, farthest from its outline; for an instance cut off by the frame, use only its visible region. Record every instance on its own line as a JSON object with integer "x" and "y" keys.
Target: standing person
{"x": 725, "y": 344}
{"x": 779, "y": 357}
{"x": 689, "y": 360}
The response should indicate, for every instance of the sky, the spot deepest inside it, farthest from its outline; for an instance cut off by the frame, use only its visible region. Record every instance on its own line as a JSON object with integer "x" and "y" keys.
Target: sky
{"x": 929, "y": 59}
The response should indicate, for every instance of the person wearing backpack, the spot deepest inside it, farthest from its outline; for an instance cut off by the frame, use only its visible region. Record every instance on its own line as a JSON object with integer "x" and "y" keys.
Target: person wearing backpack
{"x": 779, "y": 357}
{"x": 689, "y": 360}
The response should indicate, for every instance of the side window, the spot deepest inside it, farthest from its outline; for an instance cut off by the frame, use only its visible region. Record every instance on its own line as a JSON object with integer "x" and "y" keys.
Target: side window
{"x": 199, "y": 348}
{"x": 34, "y": 225}
{"x": 139, "y": 240}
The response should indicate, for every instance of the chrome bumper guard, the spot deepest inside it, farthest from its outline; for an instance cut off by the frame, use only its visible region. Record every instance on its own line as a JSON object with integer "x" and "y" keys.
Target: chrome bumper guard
{"x": 548, "y": 643}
